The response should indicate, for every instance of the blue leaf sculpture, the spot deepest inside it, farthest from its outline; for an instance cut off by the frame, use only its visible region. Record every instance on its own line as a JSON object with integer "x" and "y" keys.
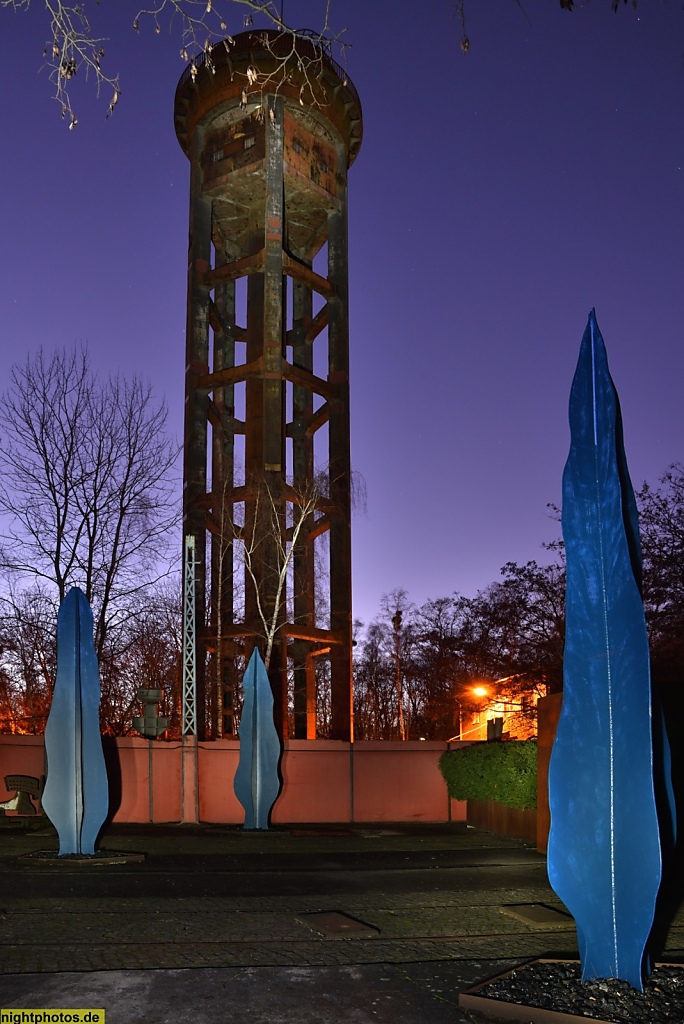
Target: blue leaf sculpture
{"x": 76, "y": 797}
{"x": 257, "y": 782}
{"x": 604, "y": 855}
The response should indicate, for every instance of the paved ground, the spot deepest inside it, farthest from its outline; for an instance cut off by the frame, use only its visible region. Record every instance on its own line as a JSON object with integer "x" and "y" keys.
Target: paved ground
{"x": 221, "y": 925}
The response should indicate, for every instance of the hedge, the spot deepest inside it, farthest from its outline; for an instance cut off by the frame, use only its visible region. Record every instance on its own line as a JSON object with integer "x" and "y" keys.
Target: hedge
{"x": 505, "y": 772}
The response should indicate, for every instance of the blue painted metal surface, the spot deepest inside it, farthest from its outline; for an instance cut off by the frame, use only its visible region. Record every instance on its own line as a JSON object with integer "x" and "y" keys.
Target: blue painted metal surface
{"x": 257, "y": 782}
{"x": 76, "y": 797}
{"x": 604, "y": 855}
{"x": 664, "y": 789}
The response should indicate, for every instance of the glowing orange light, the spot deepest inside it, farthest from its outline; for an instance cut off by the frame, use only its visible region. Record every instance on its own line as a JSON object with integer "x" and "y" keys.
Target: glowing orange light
{"x": 480, "y": 691}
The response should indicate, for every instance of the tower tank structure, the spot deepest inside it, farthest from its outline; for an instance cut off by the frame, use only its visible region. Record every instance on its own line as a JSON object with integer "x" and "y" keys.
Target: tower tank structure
{"x": 270, "y": 125}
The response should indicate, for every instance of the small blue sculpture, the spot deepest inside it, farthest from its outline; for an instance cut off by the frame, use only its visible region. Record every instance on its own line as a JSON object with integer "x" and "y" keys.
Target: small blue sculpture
{"x": 76, "y": 797}
{"x": 257, "y": 783}
{"x": 604, "y": 857}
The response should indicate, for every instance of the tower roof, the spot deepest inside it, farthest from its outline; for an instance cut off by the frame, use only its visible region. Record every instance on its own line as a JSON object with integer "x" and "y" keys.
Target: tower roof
{"x": 293, "y": 66}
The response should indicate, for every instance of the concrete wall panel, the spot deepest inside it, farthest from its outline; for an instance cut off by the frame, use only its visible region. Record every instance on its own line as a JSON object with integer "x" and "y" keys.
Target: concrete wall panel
{"x": 399, "y": 782}
{"x": 134, "y": 762}
{"x": 20, "y": 755}
{"x": 216, "y": 765}
{"x": 166, "y": 782}
{"x": 316, "y": 782}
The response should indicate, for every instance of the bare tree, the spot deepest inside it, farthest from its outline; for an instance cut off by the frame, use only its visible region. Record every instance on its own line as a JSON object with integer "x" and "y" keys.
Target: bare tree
{"x": 28, "y": 657}
{"x": 385, "y": 698}
{"x": 146, "y": 651}
{"x": 86, "y": 484}
{"x": 661, "y": 517}
{"x": 459, "y": 12}
{"x": 375, "y": 692}
{"x": 422, "y": 664}
{"x": 78, "y": 46}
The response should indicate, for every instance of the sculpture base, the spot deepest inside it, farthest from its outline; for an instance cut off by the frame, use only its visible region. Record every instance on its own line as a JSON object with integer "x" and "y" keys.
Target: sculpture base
{"x": 557, "y": 983}
{"x": 103, "y": 858}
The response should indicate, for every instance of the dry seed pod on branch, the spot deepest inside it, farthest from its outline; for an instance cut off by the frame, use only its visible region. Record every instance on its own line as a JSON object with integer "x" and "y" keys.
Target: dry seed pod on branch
{"x": 75, "y": 45}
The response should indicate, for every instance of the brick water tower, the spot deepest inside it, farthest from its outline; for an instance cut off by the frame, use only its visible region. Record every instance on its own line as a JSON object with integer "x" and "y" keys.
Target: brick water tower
{"x": 270, "y": 125}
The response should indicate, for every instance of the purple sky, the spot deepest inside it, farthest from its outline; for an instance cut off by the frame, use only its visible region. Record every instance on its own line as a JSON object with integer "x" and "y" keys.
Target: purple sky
{"x": 497, "y": 197}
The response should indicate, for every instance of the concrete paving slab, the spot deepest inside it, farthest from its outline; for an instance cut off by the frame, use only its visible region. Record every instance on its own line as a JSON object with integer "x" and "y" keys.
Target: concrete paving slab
{"x": 209, "y": 926}
{"x": 333, "y": 925}
{"x": 359, "y": 994}
{"x": 538, "y": 915}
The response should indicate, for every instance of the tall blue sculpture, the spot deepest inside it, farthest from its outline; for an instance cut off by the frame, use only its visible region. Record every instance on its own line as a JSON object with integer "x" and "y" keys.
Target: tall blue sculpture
{"x": 76, "y": 797}
{"x": 604, "y": 855}
{"x": 257, "y": 783}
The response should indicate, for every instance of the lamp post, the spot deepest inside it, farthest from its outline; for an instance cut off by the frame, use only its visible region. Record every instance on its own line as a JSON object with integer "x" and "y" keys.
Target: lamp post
{"x": 460, "y": 719}
{"x": 396, "y": 626}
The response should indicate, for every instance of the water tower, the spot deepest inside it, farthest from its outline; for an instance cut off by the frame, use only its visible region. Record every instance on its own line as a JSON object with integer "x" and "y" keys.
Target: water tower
{"x": 270, "y": 125}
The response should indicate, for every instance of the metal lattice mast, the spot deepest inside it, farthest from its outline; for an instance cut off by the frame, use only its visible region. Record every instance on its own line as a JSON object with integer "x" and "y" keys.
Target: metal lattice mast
{"x": 189, "y": 710}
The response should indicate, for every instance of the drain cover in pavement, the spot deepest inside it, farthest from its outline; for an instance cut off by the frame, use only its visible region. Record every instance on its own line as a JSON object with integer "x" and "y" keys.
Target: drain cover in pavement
{"x": 537, "y": 915}
{"x": 333, "y": 925}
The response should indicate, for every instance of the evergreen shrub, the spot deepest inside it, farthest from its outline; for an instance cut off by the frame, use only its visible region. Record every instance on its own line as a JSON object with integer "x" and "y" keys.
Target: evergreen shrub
{"x": 505, "y": 772}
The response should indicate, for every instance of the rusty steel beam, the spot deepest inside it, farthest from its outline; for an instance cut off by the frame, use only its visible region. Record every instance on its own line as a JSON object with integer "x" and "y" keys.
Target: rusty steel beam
{"x": 314, "y": 635}
{"x": 308, "y": 380}
{"x": 252, "y": 264}
{"x": 231, "y": 374}
{"x": 306, "y": 276}
{"x": 321, "y": 526}
{"x": 317, "y": 324}
{"x": 318, "y": 419}
{"x": 216, "y": 323}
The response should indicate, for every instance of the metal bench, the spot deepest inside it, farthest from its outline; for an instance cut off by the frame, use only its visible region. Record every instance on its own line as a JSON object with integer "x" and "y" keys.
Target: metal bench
{"x": 24, "y": 787}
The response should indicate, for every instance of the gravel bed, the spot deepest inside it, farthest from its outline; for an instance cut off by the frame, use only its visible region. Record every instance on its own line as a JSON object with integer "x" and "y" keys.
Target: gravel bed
{"x": 559, "y": 987}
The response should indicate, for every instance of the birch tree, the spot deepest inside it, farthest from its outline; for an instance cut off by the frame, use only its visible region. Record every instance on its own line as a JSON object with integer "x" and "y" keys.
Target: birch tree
{"x": 268, "y": 577}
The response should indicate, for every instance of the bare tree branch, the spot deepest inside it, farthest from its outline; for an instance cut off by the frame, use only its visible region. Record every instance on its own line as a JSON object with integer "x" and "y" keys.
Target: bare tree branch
{"x": 75, "y": 46}
{"x": 266, "y": 523}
